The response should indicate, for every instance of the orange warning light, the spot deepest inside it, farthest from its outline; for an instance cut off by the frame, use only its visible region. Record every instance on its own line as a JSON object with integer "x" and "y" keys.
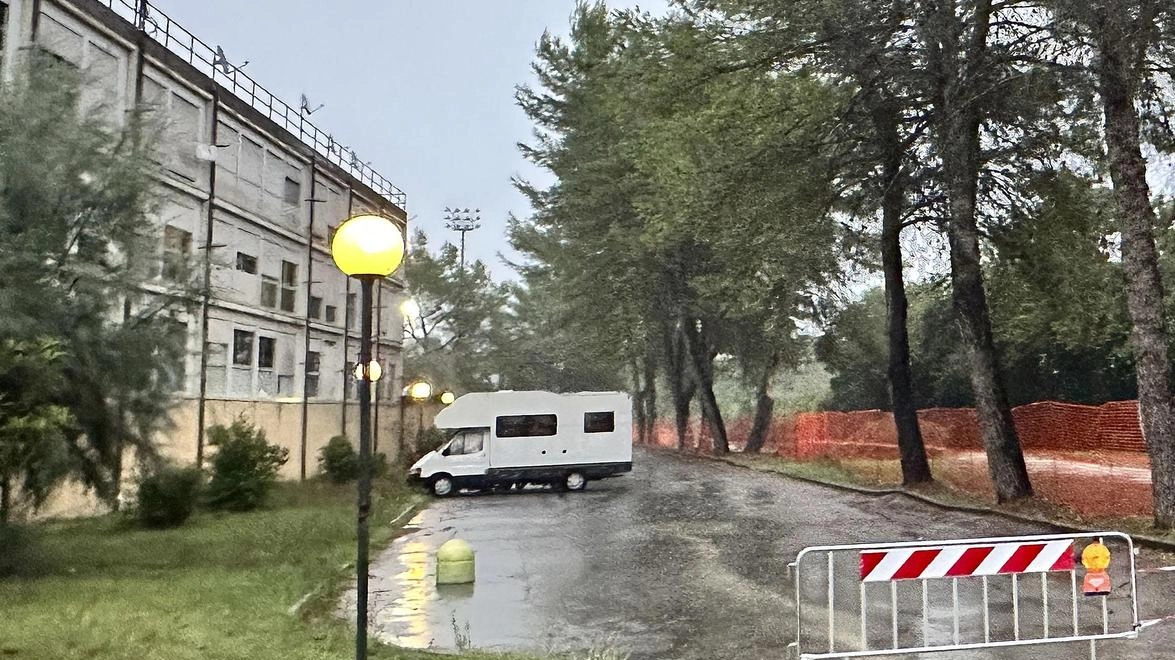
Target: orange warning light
{"x": 1096, "y": 559}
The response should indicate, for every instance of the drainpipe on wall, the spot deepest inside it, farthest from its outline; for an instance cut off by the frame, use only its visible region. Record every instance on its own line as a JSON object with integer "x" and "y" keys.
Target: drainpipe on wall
{"x": 347, "y": 323}
{"x": 205, "y": 302}
{"x": 306, "y": 328}
{"x": 36, "y": 21}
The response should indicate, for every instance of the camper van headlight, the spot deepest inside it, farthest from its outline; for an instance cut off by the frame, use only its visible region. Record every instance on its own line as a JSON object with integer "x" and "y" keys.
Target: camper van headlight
{"x": 414, "y": 472}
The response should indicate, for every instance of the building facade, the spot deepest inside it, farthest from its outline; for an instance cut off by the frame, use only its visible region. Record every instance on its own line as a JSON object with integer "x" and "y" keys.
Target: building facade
{"x": 249, "y": 191}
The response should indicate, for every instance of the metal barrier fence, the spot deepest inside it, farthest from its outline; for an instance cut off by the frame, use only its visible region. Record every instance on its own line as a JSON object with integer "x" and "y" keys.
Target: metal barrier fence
{"x": 926, "y": 596}
{"x": 213, "y": 63}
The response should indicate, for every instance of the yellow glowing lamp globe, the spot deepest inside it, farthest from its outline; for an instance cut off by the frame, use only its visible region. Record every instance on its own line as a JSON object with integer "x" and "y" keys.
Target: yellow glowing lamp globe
{"x": 374, "y": 371}
{"x": 419, "y": 390}
{"x": 369, "y": 245}
{"x": 448, "y": 397}
{"x": 1095, "y": 557}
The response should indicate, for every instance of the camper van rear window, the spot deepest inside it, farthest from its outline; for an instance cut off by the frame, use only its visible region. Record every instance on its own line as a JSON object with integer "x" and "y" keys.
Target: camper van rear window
{"x": 526, "y": 426}
{"x": 599, "y": 422}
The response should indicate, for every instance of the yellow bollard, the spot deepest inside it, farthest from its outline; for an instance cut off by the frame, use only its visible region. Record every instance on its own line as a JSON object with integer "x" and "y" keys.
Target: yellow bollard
{"x": 455, "y": 563}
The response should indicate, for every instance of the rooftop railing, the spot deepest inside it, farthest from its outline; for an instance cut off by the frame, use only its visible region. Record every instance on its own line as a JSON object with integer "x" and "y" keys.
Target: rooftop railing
{"x": 211, "y": 61}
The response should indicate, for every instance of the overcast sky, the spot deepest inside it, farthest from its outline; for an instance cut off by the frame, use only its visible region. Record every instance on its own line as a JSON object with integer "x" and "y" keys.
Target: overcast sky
{"x": 424, "y": 89}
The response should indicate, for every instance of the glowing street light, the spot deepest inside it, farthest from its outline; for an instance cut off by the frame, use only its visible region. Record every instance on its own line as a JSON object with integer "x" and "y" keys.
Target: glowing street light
{"x": 419, "y": 391}
{"x": 366, "y": 247}
{"x": 410, "y": 307}
{"x": 374, "y": 371}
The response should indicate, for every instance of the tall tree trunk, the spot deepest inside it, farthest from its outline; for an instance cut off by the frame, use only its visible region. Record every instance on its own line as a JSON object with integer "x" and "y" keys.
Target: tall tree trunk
{"x": 650, "y": 400}
{"x": 1118, "y": 78}
{"x": 701, "y": 367}
{"x": 957, "y": 69}
{"x": 681, "y": 386}
{"x": 5, "y": 499}
{"x": 764, "y": 407}
{"x": 911, "y": 448}
{"x": 116, "y": 473}
{"x": 639, "y": 391}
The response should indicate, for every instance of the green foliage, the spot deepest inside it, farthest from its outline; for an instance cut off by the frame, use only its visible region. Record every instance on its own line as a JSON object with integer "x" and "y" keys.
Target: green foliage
{"x": 1056, "y": 297}
{"x": 676, "y": 176}
{"x": 34, "y": 429}
{"x": 426, "y": 441}
{"x": 451, "y": 336}
{"x": 853, "y": 348}
{"x": 77, "y": 246}
{"x": 1059, "y": 318}
{"x": 244, "y": 467}
{"x": 168, "y": 496}
{"x": 338, "y": 460}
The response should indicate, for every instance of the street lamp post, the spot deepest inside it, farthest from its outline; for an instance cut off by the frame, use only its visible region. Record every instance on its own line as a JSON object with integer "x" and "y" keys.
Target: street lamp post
{"x": 464, "y": 222}
{"x": 366, "y": 247}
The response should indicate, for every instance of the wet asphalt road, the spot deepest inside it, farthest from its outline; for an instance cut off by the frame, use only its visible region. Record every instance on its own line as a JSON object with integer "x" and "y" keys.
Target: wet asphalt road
{"x": 684, "y": 558}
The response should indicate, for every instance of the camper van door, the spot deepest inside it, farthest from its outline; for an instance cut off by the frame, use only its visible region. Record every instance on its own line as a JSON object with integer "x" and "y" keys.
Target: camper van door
{"x": 467, "y": 454}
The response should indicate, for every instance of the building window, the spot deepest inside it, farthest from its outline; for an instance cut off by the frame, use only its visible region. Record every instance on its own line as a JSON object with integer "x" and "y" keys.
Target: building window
{"x": 292, "y": 192}
{"x": 268, "y": 292}
{"x": 252, "y": 156}
{"x": 351, "y": 311}
{"x": 313, "y": 362}
{"x": 177, "y": 245}
{"x": 289, "y": 285}
{"x": 599, "y": 422}
{"x": 265, "y": 346}
{"x": 526, "y": 426}
{"x": 242, "y": 347}
{"x": 246, "y": 263}
{"x": 315, "y": 309}
{"x": 332, "y": 313}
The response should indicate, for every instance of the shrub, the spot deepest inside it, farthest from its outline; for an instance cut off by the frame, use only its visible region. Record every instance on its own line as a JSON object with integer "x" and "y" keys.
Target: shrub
{"x": 338, "y": 460}
{"x": 244, "y": 468}
{"x": 21, "y": 552}
{"x": 426, "y": 441}
{"x": 168, "y": 497}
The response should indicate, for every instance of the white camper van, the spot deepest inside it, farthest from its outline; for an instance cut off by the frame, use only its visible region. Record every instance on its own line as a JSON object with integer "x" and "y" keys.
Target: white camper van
{"x": 501, "y": 439}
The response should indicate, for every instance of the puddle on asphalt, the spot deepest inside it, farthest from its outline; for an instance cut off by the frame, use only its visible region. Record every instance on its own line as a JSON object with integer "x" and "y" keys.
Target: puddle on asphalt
{"x": 410, "y": 607}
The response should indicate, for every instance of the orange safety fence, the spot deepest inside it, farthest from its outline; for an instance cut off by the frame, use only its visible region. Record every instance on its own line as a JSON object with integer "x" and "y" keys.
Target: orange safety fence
{"x": 1089, "y": 458}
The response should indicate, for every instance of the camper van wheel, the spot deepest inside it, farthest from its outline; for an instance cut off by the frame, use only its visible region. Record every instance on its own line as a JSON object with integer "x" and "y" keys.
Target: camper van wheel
{"x": 575, "y": 481}
{"x": 442, "y": 486}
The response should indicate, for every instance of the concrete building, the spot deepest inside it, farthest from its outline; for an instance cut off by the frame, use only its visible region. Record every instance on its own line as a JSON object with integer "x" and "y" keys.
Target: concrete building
{"x": 250, "y": 190}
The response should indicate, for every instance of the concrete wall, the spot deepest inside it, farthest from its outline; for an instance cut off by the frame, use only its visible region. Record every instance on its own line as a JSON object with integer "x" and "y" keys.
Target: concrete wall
{"x": 282, "y": 423}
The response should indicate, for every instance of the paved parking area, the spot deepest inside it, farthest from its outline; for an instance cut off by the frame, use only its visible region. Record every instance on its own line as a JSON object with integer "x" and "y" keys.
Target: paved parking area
{"x": 684, "y": 558}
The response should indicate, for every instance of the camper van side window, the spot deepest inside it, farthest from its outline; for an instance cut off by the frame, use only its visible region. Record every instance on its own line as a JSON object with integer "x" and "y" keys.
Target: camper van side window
{"x": 599, "y": 422}
{"x": 526, "y": 426}
{"x": 456, "y": 447}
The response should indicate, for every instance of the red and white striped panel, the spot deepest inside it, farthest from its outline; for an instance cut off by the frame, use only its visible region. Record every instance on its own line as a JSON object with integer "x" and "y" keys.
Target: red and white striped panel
{"x": 966, "y": 560}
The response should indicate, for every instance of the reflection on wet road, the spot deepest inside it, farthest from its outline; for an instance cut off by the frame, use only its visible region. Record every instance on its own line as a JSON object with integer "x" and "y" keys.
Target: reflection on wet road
{"x": 682, "y": 559}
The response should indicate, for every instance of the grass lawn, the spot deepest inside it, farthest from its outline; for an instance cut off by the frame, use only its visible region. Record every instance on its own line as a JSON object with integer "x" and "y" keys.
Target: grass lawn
{"x": 219, "y": 587}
